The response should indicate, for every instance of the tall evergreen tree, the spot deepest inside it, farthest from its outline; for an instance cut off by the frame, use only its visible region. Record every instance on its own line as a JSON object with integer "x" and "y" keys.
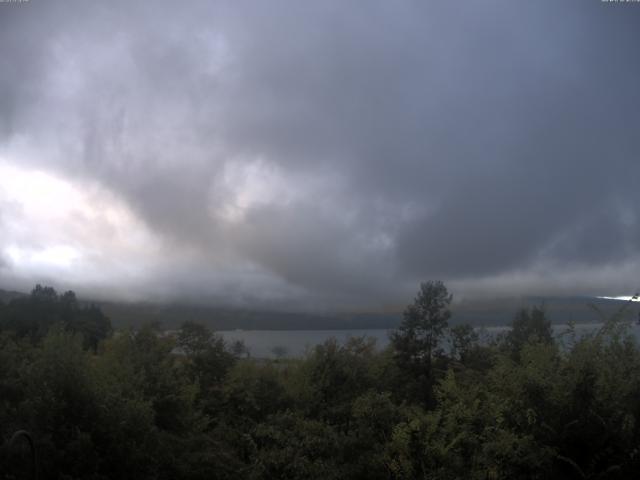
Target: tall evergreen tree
{"x": 423, "y": 326}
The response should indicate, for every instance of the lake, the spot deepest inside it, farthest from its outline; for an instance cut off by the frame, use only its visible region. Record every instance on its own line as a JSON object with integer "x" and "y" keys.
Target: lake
{"x": 261, "y": 342}
{"x": 296, "y": 342}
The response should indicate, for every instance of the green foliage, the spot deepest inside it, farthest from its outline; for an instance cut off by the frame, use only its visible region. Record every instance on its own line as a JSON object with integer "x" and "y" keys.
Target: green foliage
{"x": 464, "y": 339}
{"x": 424, "y": 324}
{"x": 416, "y": 342}
{"x": 32, "y": 317}
{"x": 205, "y": 362}
{"x": 207, "y": 359}
{"x": 529, "y": 325}
{"x": 255, "y": 391}
{"x": 290, "y": 446}
{"x": 149, "y": 405}
{"x": 334, "y": 375}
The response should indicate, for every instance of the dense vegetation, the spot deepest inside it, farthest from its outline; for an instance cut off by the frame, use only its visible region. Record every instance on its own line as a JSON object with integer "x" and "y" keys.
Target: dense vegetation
{"x": 145, "y": 405}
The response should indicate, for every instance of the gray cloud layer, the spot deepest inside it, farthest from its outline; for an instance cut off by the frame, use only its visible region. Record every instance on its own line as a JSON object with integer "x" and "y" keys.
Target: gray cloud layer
{"x": 338, "y": 153}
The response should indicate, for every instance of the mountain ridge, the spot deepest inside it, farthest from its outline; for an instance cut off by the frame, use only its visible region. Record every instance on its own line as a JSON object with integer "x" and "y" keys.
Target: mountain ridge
{"x": 488, "y": 312}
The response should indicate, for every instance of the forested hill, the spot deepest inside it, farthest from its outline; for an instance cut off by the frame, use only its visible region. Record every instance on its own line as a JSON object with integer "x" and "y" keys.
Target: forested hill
{"x": 100, "y": 404}
{"x": 493, "y": 312}
{"x": 7, "y": 295}
{"x": 496, "y": 312}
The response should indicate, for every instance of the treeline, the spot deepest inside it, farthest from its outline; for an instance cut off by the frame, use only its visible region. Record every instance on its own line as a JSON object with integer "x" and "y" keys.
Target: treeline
{"x": 140, "y": 404}
{"x": 32, "y": 317}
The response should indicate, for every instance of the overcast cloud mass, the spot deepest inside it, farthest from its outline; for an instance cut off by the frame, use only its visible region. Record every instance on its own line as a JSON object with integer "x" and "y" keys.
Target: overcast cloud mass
{"x": 320, "y": 154}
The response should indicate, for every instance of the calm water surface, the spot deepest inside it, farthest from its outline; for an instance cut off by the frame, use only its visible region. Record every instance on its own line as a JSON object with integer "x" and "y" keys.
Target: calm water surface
{"x": 261, "y": 343}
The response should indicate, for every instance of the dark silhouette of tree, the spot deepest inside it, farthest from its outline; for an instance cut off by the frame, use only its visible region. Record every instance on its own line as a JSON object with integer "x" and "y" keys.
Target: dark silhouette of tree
{"x": 92, "y": 324}
{"x": 194, "y": 338}
{"x": 423, "y": 326}
{"x": 240, "y": 349}
{"x": 463, "y": 339}
{"x": 150, "y": 405}
{"x": 33, "y": 317}
{"x": 529, "y": 325}
{"x": 44, "y": 294}
{"x": 207, "y": 360}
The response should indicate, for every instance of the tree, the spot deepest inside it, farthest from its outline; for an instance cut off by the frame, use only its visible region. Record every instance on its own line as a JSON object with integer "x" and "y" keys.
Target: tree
{"x": 44, "y": 294}
{"x": 424, "y": 324}
{"x": 240, "y": 349}
{"x": 463, "y": 339}
{"x": 91, "y": 323}
{"x": 194, "y": 338}
{"x": 33, "y": 317}
{"x": 206, "y": 360}
{"x": 529, "y": 325}
{"x": 333, "y": 376}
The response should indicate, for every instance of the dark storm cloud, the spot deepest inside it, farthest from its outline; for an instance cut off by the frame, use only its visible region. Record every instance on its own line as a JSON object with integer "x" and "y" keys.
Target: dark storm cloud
{"x": 342, "y": 152}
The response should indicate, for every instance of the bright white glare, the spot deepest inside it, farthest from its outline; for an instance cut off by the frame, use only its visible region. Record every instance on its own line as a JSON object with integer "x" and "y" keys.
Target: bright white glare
{"x": 626, "y": 298}
{"x": 52, "y": 225}
{"x": 36, "y": 192}
{"x": 247, "y": 185}
{"x": 56, "y": 256}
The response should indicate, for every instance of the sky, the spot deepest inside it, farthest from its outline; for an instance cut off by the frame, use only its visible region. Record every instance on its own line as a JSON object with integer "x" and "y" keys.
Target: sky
{"x": 320, "y": 155}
